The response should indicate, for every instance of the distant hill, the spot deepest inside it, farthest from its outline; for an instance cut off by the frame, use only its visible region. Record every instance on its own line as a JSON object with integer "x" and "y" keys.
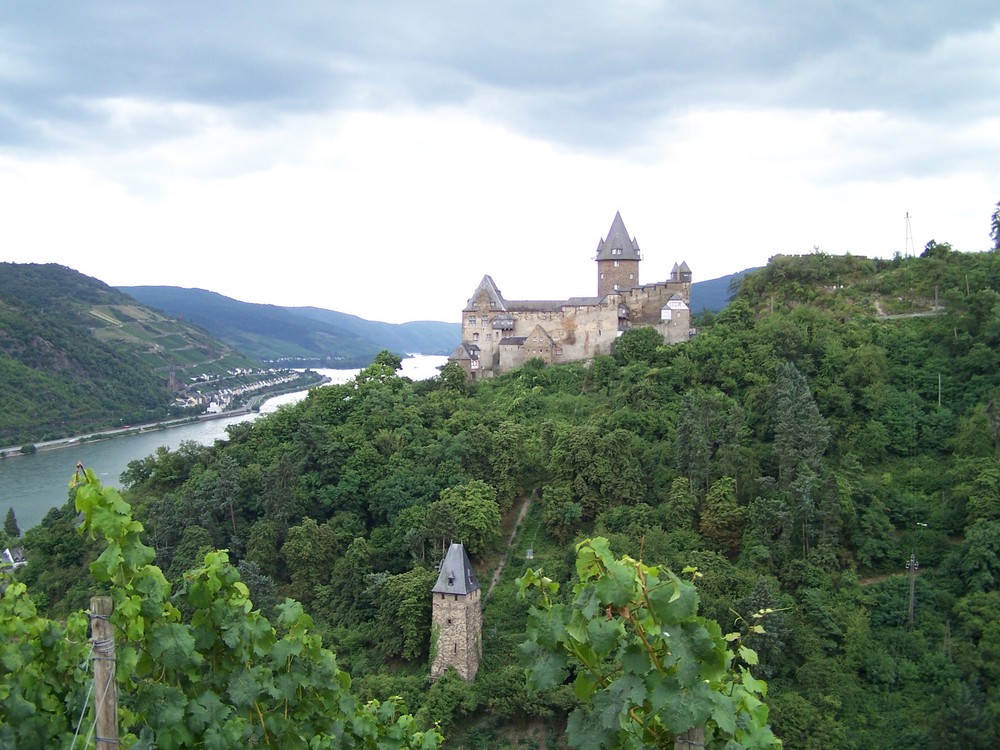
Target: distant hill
{"x": 714, "y": 294}
{"x": 306, "y": 335}
{"x": 77, "y": 354}
{"x": 415, "y": 337}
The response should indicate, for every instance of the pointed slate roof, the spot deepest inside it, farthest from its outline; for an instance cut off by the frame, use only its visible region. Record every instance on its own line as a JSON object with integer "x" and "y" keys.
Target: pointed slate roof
{"x": 488, "y": 287}
{"x": 618, "y": 239}
{"x": 456, "y": 576}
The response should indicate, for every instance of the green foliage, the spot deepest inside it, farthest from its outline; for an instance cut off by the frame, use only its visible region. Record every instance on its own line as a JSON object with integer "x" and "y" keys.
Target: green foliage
{"x": 722, "y": 518}
{"x": 637, "y": 345}
{"x": 466, "y": 513}
{"x": 710, "y": 436}
{"x": 648, "y": 667}
{"x": 221, "y": 678}
{"x": 10, "y": 527}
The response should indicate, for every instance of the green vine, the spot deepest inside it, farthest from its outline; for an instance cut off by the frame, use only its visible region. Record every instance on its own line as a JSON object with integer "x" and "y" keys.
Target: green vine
{"x": 224, "y": 677}
{"x": 646, "y": 667}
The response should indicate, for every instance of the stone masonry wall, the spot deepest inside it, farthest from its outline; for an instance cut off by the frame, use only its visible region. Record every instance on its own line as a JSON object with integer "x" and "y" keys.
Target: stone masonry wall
{"x": 625, "y": 275}
{"x": 580, "y": 331}
{"x": 458, "y": 622}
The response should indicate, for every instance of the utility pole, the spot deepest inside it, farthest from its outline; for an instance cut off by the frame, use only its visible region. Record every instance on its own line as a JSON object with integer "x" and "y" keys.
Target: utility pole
{"x": 105, "y": 691}
{"x": 912, "y": 565}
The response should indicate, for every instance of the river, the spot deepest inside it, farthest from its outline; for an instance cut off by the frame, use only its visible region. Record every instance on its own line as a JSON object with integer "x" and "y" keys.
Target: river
{"x": 32, "y": 484}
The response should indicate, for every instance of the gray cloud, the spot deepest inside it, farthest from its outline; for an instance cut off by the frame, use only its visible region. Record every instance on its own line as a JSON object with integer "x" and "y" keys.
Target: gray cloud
{"x": 590, "y": 74}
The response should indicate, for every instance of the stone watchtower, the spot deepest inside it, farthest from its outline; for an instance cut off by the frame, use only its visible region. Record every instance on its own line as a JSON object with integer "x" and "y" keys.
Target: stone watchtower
{"x": 617, "y": 260}
{"x": 456, "y": 617}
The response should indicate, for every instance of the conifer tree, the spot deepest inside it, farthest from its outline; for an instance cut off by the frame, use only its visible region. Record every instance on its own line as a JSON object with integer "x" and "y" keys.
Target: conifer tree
{"x": 10, "y": 526}
{"x": 801, "y": 435}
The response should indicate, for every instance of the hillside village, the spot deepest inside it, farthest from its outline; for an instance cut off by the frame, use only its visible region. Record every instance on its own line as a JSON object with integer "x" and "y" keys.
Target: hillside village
{"x": 214, "y": 393}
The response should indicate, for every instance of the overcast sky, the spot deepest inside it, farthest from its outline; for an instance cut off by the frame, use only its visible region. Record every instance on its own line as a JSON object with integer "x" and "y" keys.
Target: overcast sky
{"x": 379, "y": 158}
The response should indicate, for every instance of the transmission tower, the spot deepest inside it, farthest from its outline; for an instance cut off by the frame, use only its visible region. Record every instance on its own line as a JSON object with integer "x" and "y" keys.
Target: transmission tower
{"x": 909, "y": 250}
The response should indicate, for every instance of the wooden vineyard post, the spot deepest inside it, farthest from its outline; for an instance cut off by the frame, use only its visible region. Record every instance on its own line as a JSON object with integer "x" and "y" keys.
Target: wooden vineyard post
{"x": 105, "y": 692}
{"x": 691, "y": 739}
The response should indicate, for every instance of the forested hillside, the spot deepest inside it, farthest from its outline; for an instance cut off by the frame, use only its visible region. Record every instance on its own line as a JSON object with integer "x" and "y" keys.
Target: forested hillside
{"x": 834, "y": 423}
{"x": 77, "y": 355}
{"x": 303, "y": 336}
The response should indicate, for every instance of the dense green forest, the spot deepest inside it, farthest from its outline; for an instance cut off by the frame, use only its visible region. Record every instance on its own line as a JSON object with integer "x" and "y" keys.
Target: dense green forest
{"x": 78, "y": 355}
{"x": 834, "y": 423}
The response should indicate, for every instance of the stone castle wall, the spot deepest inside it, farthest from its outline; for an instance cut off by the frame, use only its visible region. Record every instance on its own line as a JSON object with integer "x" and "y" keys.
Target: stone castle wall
{"x": 579, "y": 332}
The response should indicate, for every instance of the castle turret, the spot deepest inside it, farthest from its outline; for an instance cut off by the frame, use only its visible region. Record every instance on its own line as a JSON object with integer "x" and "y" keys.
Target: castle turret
{"x": 456, "y": 617}
{"x": 617, "y": 260}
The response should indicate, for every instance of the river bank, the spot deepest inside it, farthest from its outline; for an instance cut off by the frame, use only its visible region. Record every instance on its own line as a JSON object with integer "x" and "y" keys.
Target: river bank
{"x": 36, "y": 482}
{"x": 93, "y": 437}
{"x": 252, "y": 406}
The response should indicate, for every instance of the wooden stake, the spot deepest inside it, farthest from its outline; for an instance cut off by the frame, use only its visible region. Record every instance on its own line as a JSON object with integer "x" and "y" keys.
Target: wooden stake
{"x": 692, "y": 738}
{"x": 105, "y": 692}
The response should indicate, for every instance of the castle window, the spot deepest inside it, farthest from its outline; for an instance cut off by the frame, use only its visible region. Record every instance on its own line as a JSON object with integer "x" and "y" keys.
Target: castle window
{"x": 631, "y": 276}
{"x": 617, "y": 263}
{"x": 472, "y": 322}
{"x": 456, "y": 648}
{"x": 602, "y": 275}
{"x": 449, "y": 621}
{"x": 475, "y": 336}
{"x": 616, "y": 251}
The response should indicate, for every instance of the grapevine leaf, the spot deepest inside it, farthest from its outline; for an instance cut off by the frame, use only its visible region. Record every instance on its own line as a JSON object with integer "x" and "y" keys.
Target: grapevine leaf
{"x": 205, "y": 711}
{"x": 615, "y": 588}
{"x": 603, "y": 635}
{"x": 173, "y": 645}
{"x": 635, "y": 659}
{"x": 724, "y": 713}
{"x": 244, "y": 687}
{"x": 748, "y": 655}
{"x": 753, "y": 685}
{"x": 674, "y": 602}
{"x": 584, "y": 685}
{"x": 689, "y": 708}
{"x": 587, "y": 603}
{"x": 586, "y": 732}
{"x": 104, "y": 567}
{"x": 547, "y": 668}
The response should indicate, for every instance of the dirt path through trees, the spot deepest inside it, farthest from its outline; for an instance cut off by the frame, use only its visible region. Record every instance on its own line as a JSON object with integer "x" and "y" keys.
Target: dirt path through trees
{"x": 525, "y": 507}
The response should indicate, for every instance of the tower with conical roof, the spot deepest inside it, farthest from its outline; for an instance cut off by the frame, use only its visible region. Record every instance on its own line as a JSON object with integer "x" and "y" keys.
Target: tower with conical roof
{"x": 456, "y": 617}
{"x": 617, "y": 260}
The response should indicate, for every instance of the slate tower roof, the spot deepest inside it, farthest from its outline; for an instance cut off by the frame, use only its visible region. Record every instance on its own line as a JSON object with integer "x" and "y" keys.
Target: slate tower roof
{"x": 618, "y": 246}
{"x": 456, "y": 576}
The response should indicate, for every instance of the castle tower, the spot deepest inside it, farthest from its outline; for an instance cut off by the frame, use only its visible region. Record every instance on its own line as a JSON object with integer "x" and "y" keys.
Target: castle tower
{"x": 456, "y": 617}
{"x": 617, "y": 260}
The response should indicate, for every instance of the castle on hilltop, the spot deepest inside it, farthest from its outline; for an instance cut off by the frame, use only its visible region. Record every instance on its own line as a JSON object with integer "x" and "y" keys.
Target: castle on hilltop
{"x": 499, "y": 335}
